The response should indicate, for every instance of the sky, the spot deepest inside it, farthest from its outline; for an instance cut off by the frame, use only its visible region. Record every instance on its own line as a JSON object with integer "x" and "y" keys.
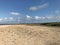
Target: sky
{"x": 29, "y": 11}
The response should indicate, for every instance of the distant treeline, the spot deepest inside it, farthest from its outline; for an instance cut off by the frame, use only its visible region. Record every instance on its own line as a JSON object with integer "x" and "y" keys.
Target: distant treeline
{"x": 46, "y": 24}
{"x": 37, "y": 24}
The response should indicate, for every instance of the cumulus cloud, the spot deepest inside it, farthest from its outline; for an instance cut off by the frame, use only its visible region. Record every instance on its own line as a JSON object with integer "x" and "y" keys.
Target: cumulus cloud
{"x": 28, "y": 17}
{"x": 37, "y": 17}
{"x": 44, "y": 17}
{"x": 14, "y": 13}
{"x": 5, "y": 19}
{"x": 34, "y": 8}
{"x": 1, "y": 19}
{"x": 58, "y": 17}
{"x": 49, "y": 17}
{"x": 11, "y": 18}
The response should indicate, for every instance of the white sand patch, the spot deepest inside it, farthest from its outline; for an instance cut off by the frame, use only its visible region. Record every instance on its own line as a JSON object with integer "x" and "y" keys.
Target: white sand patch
{"x": 4, "y": 25}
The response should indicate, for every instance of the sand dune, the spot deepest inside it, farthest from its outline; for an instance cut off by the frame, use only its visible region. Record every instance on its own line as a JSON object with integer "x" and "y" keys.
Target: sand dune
{"x": 29, "y": 35}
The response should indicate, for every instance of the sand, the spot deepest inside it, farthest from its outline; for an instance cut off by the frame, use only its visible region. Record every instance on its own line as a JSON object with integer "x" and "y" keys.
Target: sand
{"x": 29, "y": 35}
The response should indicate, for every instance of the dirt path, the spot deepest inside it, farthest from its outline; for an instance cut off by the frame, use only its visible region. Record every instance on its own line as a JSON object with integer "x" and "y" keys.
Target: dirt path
{"x": 29, "y": 35}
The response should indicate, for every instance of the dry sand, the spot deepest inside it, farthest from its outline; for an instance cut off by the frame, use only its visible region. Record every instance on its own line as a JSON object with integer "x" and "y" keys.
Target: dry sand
{"x": 29, "y": 35}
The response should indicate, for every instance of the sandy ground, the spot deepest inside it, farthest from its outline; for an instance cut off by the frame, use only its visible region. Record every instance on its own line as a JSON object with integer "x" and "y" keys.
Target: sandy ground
{"x": 29, "y": 35}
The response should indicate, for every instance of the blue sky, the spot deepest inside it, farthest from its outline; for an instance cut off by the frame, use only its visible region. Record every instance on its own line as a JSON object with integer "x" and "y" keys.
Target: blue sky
{"x": 15, "y": 11}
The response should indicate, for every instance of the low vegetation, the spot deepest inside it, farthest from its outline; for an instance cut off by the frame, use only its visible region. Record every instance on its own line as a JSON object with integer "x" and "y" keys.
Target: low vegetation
{"x": 45, "y": 24}
{"x": 51, "y": 24}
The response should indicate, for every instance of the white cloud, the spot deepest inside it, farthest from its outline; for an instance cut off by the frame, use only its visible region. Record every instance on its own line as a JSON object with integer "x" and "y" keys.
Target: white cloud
{"x": 28, "y": 17}
{"x": 1, "y": 19}
{"x": 58, "y": 17}
{"x": 43, "y": 17}
{"x": 11, "y": 18}
{"x": 14, "y": 13}
{"x": 57, "y": 11}
{"x": 5, "y": 19}
{"x": 37, "y": 17}
{"x": 49, "y": 17}
{"x": 34, "y": 8}
{"x": 43, "y": 6}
